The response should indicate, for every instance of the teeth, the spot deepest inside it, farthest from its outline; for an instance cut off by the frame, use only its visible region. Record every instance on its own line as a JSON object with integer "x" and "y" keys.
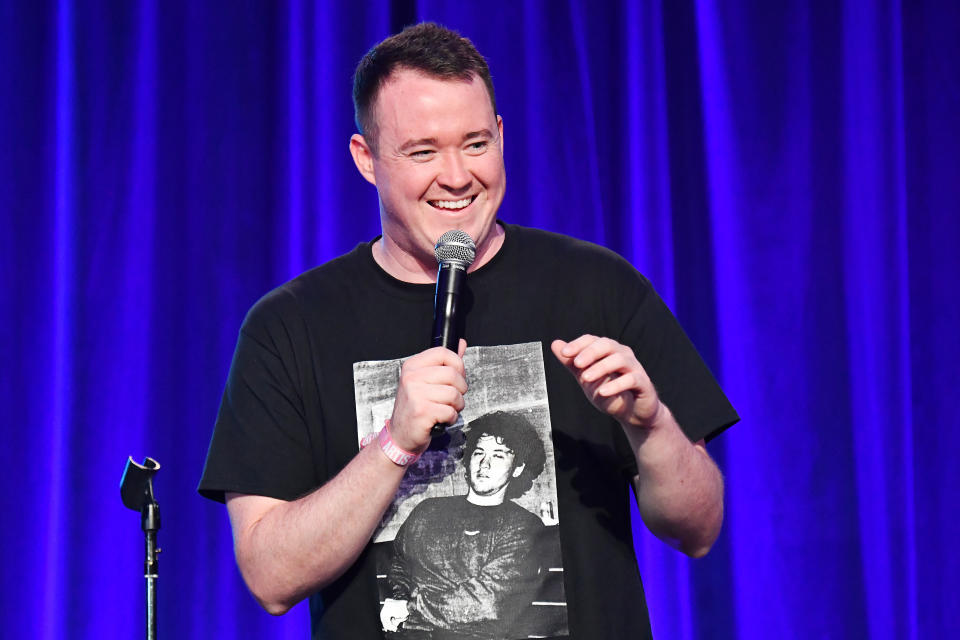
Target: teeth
{"x": 456, "y": 204}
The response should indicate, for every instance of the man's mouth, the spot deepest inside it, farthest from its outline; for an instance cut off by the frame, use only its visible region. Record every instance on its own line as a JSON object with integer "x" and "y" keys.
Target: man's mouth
{"x": 452, "y": 205}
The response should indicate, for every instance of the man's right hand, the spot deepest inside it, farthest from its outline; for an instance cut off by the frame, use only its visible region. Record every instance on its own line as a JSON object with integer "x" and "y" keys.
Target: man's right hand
{"x": 430, "y": 391}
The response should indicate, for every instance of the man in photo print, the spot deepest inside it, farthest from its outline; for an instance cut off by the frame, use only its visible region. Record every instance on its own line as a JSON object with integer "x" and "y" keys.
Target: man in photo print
{"x": 462, "y": 565}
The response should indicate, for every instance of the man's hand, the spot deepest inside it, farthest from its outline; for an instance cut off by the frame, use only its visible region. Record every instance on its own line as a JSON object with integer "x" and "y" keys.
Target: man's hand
{"x": 612, "y": 379}
{"x": 430, "y": 391}
{"x": 393, "y": 614}
{"x": 678, "y": 487}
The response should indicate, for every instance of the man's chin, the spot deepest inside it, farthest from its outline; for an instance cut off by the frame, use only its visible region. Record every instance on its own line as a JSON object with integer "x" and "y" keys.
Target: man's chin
{"x": 477, "y": 227}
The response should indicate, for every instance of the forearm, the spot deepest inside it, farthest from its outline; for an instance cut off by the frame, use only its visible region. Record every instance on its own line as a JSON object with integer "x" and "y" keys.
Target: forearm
{"x": 288, "y": 550}
{"x": 679, "y": 488}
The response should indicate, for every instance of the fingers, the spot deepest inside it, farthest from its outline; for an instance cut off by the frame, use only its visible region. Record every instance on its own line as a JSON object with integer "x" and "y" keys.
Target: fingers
{"x": 587, "y": 349}
{"x": 610, "y": 375}
{"x": 437, "y": 357}
{"x": 430, "y": 390}
{"x": 557, "y": 346}
{"x": 620, "y": 384}
{"x": 435, "y": 375}
{"x": 591, "y": 358}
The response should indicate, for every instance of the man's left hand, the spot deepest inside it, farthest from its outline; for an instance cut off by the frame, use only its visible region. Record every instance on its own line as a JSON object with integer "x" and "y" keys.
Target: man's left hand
{"x": 678, "y": 487}
{"x": 612, "y": 379}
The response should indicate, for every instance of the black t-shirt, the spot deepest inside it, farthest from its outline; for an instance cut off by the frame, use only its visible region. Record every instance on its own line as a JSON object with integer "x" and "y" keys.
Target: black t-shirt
{"x": 288, "y": 423}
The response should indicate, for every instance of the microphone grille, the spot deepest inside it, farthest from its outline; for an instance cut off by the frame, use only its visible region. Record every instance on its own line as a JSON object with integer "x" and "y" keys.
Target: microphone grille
{"x": 455, "y": 246}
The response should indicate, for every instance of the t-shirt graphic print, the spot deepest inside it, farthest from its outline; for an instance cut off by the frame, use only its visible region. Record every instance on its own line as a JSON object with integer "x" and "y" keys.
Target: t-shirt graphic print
{"x": 470, "y": 547}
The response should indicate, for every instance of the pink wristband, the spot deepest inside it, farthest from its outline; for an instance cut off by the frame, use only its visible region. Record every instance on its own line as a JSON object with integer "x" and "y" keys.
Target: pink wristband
{"x": 399, "y": 456}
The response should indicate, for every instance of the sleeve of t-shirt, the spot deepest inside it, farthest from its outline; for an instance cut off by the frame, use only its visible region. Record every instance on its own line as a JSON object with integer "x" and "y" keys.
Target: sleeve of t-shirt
{"x": 260, "y": 442}
{"x": 683, "y": 380}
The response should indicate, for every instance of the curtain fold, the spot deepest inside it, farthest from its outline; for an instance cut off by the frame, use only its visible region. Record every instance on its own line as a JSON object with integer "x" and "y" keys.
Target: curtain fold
{"x": 786, "y": 175}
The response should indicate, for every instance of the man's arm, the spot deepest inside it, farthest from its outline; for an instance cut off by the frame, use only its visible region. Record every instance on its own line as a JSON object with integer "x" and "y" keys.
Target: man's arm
{"x": 679, "y": 488}
{"x": 288, "y": 550}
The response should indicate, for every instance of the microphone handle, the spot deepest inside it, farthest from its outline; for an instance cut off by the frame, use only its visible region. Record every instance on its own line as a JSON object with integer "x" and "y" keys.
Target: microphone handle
{"x": 449, "y": 282}
{"x": 450, "y": 278}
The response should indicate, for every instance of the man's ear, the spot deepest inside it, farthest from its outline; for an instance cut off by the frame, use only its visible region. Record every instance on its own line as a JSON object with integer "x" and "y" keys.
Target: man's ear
{"x": 362, "y": 157}
{"x": 517, "y": 470}
{"x": 500, "y": 128}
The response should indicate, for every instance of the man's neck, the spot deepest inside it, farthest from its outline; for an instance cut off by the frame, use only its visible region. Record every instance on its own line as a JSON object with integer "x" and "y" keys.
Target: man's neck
{"x": 487, "y": 501}
{"x": 406, "y": 267}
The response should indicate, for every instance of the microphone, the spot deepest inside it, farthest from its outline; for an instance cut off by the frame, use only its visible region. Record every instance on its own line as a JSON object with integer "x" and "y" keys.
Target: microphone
{"x": 455, "y": 252}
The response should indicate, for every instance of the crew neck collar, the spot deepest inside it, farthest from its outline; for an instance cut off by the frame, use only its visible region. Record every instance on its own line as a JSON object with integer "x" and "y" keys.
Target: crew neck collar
{"x": 406, "y": 289}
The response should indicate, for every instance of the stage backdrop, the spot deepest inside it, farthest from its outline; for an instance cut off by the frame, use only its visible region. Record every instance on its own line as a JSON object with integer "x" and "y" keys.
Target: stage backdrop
{"x": 786, "y": 173}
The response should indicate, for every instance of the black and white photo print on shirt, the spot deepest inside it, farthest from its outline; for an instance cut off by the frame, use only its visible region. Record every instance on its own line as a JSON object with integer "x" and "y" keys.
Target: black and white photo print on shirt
{"x": 470, "y": 547}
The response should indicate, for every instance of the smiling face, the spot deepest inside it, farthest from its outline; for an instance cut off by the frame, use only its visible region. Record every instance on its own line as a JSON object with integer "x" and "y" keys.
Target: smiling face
{"x": 438, "y": 166}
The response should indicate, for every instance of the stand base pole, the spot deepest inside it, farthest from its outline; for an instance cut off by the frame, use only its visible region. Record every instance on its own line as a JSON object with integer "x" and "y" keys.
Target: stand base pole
{"x": 151, "y": 607}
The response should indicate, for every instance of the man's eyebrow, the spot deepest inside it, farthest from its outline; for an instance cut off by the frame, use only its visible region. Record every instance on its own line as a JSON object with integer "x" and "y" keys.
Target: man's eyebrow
{"x": 418, "y": 143}
{"x": 498, "y": 448}
{"x": 482, "y": 133}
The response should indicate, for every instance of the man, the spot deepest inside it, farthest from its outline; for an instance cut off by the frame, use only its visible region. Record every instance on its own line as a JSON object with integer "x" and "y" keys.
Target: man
{"x": 462, "y": 565}
{"x": 304, "y": 502}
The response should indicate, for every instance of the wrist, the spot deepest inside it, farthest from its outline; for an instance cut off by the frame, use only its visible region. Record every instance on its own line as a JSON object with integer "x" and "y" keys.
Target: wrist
{"x": 394, "y": 452}
{"x": 660, "y": 443}
{"x": 639, "y": 430}
{"x": 657, "y": 418}
{"x": 646, "y": 421}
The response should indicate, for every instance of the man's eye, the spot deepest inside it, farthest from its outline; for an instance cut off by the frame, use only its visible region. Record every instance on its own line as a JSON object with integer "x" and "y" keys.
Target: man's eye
{"x": 421, "y": 154}
{"x": 478, "y": 147}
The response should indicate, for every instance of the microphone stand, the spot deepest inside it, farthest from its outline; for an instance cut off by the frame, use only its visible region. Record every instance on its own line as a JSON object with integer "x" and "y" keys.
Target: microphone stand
{"x": 136, "y": 491}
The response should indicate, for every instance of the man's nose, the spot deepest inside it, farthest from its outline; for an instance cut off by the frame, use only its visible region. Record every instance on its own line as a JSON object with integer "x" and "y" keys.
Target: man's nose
{"x": 453, "y": 172}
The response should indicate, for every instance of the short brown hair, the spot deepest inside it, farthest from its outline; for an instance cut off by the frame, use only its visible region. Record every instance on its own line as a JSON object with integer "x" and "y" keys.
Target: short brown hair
{"x": 427, "y": 47}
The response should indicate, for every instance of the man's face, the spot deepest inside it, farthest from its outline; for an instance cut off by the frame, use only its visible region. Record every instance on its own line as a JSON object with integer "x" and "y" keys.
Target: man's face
{"x": 439, "y": 162}
{"x": 491, "y": 466}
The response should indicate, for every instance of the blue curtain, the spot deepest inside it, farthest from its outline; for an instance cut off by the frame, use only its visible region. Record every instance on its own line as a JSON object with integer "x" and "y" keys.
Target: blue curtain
{"x": 786, "y": 173}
